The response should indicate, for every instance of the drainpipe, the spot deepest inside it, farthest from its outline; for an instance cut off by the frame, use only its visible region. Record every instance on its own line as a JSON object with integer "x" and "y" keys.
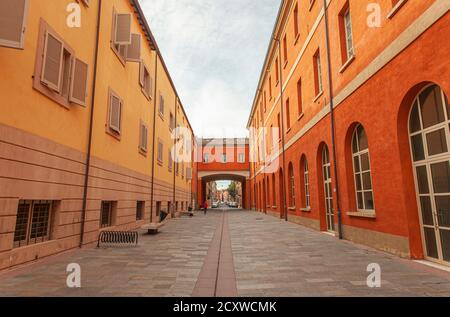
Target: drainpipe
{"x": 154, "y": 132}
{"x": 333, "y": 129}
{"x": 91, "y": 120}
{"x": 265, "y": 185}
{"x": 282, "y": 132}
{"x": 175, "y": 163}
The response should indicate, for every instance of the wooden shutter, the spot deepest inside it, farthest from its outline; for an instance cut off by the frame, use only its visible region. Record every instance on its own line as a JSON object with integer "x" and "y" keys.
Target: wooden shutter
{"x": 143, "y": 137}
{"x": 115, "y": 111}
{"x": 142, "y": 74}
{"x": 52, "y": 62}
{"x": 123, "y": 29}
{"x": 134, "y": 49}
{"x": 78, "y": 86}
{"x": 13, "y": 14}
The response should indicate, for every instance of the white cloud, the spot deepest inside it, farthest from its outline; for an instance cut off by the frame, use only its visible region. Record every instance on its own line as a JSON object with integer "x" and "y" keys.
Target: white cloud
{"x": 214, "y": 51}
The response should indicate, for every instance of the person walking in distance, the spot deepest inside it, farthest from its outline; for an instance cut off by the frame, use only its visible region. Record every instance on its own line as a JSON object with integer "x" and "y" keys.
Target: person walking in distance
{"x": 205, "y": 207}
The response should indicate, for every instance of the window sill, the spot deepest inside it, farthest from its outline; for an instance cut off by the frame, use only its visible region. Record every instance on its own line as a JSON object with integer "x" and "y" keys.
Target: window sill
{"x": 143, "y": 152}
{"x": 149, "y": 98}
{"x": 285, "y": 64}
{"x": 395, "y": 9}
{"x": 311, "y": 4}
{"x": 121, "y": 59}
{"x": 288, "y": 130}
{"x": 277, "y": 83}
{"x": 114, "y": 134}
{"x": 274, "y": 207}
{"x": 346, "y": 64}
{"x": 362, "y": 214}
{"x": 161, "y": 115}
{"x": 297, "y": 37}
{"x": 318, "y": 96}
{"x": 292, "y": 209}
{"x": 305, "y": 209}
{"x": 160, "y": 163}
{"x": 300, "y": 116}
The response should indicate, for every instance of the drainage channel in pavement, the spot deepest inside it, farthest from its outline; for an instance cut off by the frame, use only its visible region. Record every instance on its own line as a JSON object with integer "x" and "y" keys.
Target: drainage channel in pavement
{"x": 217, "y": 277}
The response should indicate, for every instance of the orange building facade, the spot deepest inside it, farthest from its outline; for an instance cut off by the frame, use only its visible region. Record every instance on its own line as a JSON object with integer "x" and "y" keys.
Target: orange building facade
{"x": 358, "y": 93}
{"x": 87, "y": 121}
{"x": 222, "y": 159}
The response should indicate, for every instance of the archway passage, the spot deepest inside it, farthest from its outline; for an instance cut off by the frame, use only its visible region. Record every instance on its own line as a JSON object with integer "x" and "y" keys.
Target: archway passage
{"x": 233, "y": 195}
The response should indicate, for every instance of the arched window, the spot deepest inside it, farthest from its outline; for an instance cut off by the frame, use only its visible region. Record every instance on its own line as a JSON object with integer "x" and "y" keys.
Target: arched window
{"x": 268, "y": 190}
{"x": 291, "y": 186}
{"x": 274, "y": 194}
{"x": 429, "y": 131}
{"x": 362, "y": 171}
{"x": 306, "y": 192}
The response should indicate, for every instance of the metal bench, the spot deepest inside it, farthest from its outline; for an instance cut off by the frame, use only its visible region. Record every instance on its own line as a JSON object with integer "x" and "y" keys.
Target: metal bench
{"x": 118, "y": 237}
{"x": 153, "y": 228}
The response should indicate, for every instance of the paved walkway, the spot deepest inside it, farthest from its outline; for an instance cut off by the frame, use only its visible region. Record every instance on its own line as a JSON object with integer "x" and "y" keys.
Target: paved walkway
{"x": 236, "y": 253}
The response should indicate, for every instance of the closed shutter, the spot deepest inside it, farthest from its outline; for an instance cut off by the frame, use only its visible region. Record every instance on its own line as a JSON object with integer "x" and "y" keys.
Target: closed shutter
{"x": 12, "y": 22}
{"x": 78, "y": 88}
{"x": 189, "y": 173}
{"x": 134, "y": 49}
{"x": 142, "y": 74}
{"x": 53, "y": 57}
{"x": 143, "y": 137}
{"x": 115, "y": 113}
{"x": 123, "y": 29}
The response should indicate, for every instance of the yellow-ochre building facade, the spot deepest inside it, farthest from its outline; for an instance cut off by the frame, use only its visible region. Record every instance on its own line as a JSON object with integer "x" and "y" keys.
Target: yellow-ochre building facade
{"x": 87, "y": 118}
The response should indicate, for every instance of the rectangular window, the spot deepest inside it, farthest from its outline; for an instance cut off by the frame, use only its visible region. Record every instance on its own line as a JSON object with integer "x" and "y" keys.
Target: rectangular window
{"x": 140, "y": 210}
{"x": 318, "y": 73}
{"x": 33, "y": 223}
{"x": 59, "y": 74}
{"x": 121, "y": 37}
{"x": 146, "y": 81}
{"x": 299, "y": 97}
{"x": 206, "y": 158}
{"x": 285, "y": 50}
{"x": 143, "y": 137}
{"x": 161, "y": 106}
{"x": 13, "y": 16}
{"x": 115, "y": 113}
{"x": 288, "y": 115}
{"x": 241, "y": 158}
{"x": 224, "y": 158}
{"x": 296, "y": 26}
{"x": 188, "y": 173}
{"x": 106, "y": 214}
{"x": 170, "y": 161}
{"x": 270, "y": 88}
{"x": 277, "y": 73}
{"x": 171, "y": 122}
{"x": 265, "y": 101}
{"x": 346, "y": 33}
{"x": 160, "y": 152}
{"x": 279, "y": 127}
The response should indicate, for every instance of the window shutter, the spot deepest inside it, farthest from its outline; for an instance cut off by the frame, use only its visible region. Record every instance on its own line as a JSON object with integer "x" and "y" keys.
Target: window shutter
{"x": 12, "y": 22}
{"x": 189, "y": 173}
{"x": 144, "y": 137}
{"x": 142, "y": 74}
{"x": 53, "y": 57}
{"x": 123, "y": 29}
{"x": 78, "y": 87}
{"x": 134, "y": 49}
{"x": 115, "y": 113}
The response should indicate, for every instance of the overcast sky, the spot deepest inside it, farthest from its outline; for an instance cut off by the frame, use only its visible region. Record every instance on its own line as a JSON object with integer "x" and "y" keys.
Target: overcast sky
{"x": 214, "y": 50}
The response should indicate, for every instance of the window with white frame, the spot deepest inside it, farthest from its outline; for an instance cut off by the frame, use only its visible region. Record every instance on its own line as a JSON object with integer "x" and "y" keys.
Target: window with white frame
{"x": 348, "y": 34}
{"x": 306, "y": 184}
{"x": 362, "y": 171}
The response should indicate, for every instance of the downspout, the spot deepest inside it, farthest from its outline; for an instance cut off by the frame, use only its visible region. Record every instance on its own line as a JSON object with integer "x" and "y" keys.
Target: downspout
{"x": 264, "y": 169}
{"x": 333, "y": 130}
{"x": 154, "y": 132}
{"x": 175, "y": 163}
{"x": 91, "y": 120}
{"x": 282, "y": 132}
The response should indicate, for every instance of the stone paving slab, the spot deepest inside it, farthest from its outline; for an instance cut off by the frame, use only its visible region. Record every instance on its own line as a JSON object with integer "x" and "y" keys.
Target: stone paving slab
{"x": 277, "y": 258}
{"x": 267, "y": 258}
